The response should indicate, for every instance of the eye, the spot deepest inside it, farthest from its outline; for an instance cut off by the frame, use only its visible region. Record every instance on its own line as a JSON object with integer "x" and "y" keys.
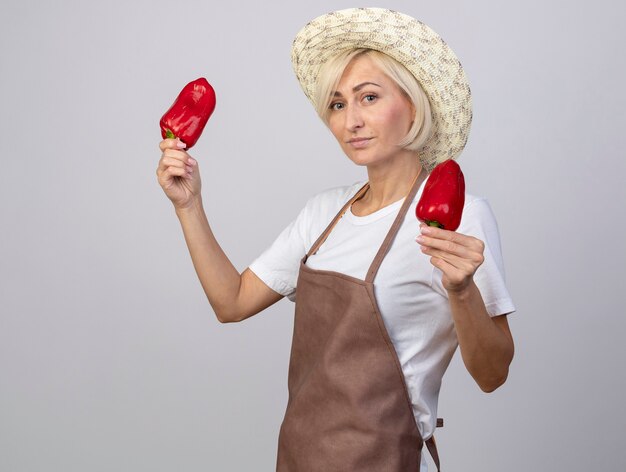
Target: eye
{"x": 336, "y": 106}
{"x": 370, "y": 97}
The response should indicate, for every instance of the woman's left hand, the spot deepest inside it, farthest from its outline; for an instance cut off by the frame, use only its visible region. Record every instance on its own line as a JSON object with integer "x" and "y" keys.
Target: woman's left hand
{"x": 457, "y": 255}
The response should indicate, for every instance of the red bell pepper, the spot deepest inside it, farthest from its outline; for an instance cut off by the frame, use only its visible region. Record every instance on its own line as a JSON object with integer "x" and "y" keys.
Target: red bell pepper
{"x": 442, "y": 200}
{"x": 189, "y": 113}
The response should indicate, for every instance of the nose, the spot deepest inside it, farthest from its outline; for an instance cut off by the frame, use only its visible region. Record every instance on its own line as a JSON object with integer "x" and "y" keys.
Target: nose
{"x": 354, "y": 118}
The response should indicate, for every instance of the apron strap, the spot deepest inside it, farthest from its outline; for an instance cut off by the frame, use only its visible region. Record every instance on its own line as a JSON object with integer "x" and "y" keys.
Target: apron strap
{"x": 384, "y": 248}
{"x": 432, "y": 448}
{"x": 335, "y": 220}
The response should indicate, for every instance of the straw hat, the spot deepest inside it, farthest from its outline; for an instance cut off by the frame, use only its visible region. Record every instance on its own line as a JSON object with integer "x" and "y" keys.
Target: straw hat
{"x": 410, "y": 42}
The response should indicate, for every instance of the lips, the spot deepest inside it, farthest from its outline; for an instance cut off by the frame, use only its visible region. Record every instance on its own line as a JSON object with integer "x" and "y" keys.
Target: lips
{"x": 359, "y": 143}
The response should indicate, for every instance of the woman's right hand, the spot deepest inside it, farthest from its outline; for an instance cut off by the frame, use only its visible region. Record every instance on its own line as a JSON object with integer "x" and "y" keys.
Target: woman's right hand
{"x": 178, "y": 174}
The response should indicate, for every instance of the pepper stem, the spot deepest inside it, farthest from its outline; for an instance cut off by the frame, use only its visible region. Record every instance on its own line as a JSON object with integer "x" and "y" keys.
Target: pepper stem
{"x": 169, "y": 134}
{"x": 435, "y": 224}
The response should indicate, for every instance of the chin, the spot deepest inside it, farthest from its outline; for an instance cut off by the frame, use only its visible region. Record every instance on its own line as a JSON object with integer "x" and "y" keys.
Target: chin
{"x": 360, "y": 158}
{"x": 364, "y": 159}
{"x": 359, "y": 162}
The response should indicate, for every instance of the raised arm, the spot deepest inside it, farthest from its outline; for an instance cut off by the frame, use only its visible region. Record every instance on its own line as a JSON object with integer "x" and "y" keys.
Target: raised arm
{"x": 233, "y": 296}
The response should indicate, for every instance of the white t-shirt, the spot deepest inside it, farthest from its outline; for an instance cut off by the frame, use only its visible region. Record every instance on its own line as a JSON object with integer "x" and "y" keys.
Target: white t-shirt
{"x": 411, "y": 298}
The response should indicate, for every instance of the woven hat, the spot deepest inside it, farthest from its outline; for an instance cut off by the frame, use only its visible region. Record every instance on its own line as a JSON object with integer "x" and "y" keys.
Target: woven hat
{"x": 411, "y": 43}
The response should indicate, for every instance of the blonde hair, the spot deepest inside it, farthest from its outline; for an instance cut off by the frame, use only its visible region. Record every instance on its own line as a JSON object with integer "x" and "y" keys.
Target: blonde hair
{"x": 331, "y": 71}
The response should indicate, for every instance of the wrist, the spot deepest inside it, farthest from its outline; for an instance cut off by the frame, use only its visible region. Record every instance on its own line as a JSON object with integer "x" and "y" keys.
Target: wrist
{"x": 191, "y": 207}
{"x": 462, "y": 293}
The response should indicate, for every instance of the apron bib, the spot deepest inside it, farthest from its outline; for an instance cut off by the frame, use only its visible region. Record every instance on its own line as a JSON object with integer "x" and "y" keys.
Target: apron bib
{"x": 349, "y": 408}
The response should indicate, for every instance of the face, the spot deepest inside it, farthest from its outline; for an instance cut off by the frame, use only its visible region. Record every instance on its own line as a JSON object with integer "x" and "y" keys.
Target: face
{"x": 369, "y": 114}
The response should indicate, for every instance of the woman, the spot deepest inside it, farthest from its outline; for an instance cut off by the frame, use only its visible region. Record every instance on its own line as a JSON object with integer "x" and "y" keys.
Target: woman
{"x": 377, "y": 317}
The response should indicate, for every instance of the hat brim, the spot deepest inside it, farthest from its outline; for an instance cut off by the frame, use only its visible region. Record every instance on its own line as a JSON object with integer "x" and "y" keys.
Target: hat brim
{"x": 410, "y": 42}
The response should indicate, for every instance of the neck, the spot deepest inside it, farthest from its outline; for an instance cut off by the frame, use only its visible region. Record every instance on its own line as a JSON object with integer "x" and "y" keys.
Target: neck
{"x": 390, "y": 182}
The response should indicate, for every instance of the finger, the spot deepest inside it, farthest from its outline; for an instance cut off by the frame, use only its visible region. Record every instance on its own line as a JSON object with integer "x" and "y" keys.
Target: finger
{"x": 167, "y": 161}
{"x": 468, "y": 266}
{"x": 453, "y": 237}
{"x": 450, "y": 247}
{"x": 448, "y": 269}
{"x": 454, "y": 276}
{"x": 440, "y": 233}
{"x": 173, "y": 171}
{"x": 177, "y": 153}
{"x": 171, "y": 144}
{"x": 181, "y": 156}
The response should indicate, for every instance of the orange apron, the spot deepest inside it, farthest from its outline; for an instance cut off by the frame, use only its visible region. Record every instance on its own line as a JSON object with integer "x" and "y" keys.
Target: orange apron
{"x": 349, "y": 407}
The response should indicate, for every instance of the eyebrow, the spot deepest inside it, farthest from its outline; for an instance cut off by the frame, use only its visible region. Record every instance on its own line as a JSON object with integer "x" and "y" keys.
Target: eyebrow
{"x": 356, "y": 88}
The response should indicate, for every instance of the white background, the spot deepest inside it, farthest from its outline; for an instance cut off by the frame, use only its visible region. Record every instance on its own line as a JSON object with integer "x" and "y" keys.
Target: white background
{"x": 110, "y": 355}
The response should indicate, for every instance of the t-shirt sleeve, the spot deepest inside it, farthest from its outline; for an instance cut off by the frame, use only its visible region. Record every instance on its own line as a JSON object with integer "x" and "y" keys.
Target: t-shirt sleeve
{"x": 479, "y": 221}
{"x": 279, "y": 264}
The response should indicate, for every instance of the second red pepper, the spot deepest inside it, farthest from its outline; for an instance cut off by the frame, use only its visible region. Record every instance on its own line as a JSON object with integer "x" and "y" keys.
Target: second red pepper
{"x": 443, "y": 197}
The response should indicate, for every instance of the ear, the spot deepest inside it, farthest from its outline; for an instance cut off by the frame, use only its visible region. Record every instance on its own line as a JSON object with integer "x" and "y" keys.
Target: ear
{"x": 413, "y": 111}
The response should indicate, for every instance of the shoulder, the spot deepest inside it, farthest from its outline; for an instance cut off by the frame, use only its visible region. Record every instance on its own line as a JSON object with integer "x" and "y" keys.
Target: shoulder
{"x": 479, "y": 220}
{"x": 476, "y": 208}
{"x": 476, "y": 203}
